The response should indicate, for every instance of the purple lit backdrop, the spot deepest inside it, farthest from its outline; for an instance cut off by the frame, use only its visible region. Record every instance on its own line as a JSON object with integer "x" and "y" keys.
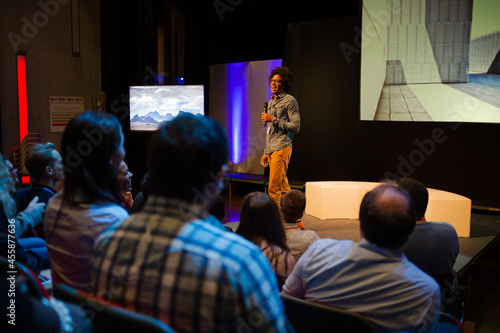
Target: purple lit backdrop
{"x": 237, "y": 93}
{"x": 237, "y": 78}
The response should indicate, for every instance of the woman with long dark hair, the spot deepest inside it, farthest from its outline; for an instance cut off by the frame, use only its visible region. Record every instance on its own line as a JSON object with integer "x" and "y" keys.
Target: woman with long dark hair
{"x": 260, "y": 223}
{"x": 92, "y": 149}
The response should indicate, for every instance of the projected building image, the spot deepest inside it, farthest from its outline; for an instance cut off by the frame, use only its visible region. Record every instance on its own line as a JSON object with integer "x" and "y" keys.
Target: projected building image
{"x": 430, "y": 60}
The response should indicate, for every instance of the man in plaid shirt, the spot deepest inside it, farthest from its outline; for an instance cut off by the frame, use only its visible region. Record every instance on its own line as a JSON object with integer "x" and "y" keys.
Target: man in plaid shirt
{"x": 174, "y": 261}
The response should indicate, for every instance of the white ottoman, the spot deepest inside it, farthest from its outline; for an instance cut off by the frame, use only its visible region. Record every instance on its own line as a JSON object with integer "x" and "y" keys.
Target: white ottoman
{"x": 450, "y": 207}
{"x": 341, "y": 200}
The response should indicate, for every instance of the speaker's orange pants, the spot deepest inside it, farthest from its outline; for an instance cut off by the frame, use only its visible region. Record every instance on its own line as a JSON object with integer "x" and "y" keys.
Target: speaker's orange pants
{"x": 278, "y": 166}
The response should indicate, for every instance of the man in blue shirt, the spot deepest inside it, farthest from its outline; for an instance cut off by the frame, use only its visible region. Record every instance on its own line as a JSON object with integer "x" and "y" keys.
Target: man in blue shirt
{"x": 433, "y": 246}
{"x": 283, "y": 121}
{"x": 372, "y": 277}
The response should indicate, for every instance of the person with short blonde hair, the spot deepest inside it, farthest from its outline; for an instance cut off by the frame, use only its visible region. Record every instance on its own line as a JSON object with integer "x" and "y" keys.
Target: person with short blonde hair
{"x": 44, "y": 163}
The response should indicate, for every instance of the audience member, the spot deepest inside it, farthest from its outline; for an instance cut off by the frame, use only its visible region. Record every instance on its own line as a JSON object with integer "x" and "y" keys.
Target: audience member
{"x": 125, "y": 182}
{"x": 433, "y": 246}
{"x": 141, "y": 197}
{"x": 35, "y": 255}
{"x": 218, "y": 210}
{"x": 372, "y": 277}
{"x": 12, "y": 173}
{"x": 92, "y": 149}
{"x": 260, "y": 223}
{"x": 29, "y": 218}
{"x": 44, "y": 163}
{"x": 174, "y": 260}
{"x": 292, "y": 209}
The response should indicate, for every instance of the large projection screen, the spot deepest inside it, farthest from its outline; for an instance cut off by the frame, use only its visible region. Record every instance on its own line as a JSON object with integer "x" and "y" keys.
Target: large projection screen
{"x": 430, "y": 61}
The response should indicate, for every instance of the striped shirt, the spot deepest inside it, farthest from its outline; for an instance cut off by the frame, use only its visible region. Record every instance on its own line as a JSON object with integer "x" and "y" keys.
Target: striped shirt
{"x": 175, "y": 262}
{"x": 282, "y": 262}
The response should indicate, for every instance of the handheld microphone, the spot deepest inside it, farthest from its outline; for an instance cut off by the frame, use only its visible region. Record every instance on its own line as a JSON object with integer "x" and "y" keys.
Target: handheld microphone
{"x": 265, "y": 111}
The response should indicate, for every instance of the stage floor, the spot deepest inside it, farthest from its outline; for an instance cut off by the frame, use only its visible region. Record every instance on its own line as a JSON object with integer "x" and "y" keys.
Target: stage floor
{"x": 484, "y": 228}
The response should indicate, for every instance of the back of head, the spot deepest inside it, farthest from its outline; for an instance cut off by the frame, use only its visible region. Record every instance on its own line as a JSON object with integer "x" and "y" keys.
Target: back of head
{"x": 39, "y": 156}
{"x": 293, "y": 204}
{"x": 89, "y": 144}
{"x": 185, "y": 156}
{"x": 387, "y": 216}
{"x": 418, "y": 194}
{"x": 260, "y": 218}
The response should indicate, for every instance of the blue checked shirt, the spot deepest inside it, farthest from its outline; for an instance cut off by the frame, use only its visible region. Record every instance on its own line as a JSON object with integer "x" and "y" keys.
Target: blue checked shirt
{"x": 175, "y": 262}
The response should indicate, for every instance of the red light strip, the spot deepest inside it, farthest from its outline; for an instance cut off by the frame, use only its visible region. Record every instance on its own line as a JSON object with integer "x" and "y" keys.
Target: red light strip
{"x": 22, "y": 96}
{"x": 23, "y": 102}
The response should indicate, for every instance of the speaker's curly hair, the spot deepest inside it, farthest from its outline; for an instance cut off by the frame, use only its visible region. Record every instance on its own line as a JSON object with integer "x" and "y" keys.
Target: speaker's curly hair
{"x": 286, "y": 75}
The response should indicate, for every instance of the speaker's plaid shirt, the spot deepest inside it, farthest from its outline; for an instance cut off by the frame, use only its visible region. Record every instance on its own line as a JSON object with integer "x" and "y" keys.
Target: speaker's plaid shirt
{"x": 175, "y": 262}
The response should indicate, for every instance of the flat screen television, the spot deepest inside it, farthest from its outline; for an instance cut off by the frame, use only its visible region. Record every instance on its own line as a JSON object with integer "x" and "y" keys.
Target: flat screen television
{"x": 150, "y": 106}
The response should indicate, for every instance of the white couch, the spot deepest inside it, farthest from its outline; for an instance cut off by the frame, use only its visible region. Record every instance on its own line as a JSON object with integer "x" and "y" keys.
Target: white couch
{"x": 341, "y": 200}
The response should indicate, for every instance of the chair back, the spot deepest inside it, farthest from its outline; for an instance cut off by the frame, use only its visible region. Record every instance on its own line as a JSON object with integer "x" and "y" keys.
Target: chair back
{"x": 312, "y": 317}
{"x": 448, "y": 324}
{"x": 30, "y": 279}
{"x": 107, "y": 317}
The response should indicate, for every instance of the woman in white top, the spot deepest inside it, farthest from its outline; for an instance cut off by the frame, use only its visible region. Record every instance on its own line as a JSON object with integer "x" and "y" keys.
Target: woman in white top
{"x": 92, "y": 149}
{"x": 260, "y": 223}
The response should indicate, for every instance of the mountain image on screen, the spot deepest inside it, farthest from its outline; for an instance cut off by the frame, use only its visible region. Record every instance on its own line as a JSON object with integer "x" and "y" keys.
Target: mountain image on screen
{"x": 154, "y": 118}
{"x": 151, "y": 106}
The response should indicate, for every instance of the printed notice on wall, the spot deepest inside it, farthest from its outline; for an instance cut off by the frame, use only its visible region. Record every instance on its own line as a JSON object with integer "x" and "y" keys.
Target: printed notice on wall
{"x": 62, "y": 109}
